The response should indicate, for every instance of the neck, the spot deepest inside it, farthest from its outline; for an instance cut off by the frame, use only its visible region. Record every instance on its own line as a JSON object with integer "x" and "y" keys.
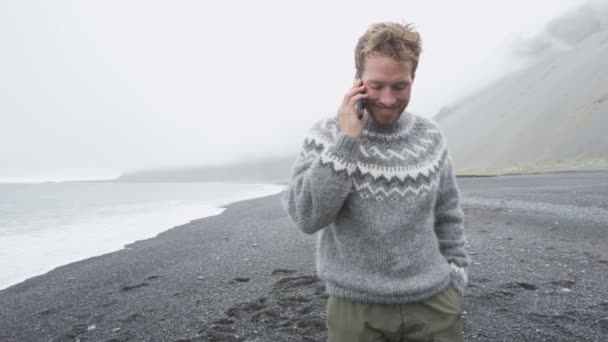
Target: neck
{"x": 370, "y": 124}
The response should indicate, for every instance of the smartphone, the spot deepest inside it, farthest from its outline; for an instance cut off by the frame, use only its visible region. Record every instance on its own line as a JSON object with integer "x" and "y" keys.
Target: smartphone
{"x": 360, "y": 105}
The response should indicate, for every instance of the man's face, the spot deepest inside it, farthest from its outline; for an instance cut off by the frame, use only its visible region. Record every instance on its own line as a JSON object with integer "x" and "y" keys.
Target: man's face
{"x": 389, "y": 86}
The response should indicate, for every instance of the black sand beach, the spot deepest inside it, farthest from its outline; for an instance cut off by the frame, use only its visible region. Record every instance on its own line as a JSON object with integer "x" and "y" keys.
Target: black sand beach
{"x": 540, "y": 273}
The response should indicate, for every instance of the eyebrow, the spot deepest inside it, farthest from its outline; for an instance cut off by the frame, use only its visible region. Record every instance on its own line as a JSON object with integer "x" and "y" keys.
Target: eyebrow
{"x": 404, "y": 83}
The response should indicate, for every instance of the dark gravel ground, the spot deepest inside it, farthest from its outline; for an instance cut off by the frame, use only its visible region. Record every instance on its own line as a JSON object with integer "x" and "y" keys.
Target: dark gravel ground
{"x": 540, "y": 273}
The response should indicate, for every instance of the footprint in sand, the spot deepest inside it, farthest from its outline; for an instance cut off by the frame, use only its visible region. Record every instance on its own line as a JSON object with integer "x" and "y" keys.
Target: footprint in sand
{"x": 294, "y": 310}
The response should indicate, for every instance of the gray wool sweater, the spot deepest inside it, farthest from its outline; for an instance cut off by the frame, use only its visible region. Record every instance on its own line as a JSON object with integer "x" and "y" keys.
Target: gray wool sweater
{"x": 385, "y": 209}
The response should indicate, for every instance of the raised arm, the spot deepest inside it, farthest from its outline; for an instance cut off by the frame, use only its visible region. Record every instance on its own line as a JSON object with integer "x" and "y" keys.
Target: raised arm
{"x": 320, "y": 180}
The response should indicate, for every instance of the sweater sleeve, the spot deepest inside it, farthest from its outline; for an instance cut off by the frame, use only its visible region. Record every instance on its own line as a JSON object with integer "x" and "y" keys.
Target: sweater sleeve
{"x": 449, "y": 226}
{"x": 320, "y": 181}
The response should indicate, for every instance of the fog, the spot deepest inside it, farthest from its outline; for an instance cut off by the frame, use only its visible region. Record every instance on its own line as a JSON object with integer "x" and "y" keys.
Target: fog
{"x": 94, "y": 89}
{"x": 564, "y": 31}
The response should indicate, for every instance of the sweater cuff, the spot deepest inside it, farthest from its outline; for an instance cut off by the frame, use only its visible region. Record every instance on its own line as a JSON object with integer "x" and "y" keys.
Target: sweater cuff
{"x": 346, "y": 146}
{"x": 458, "y": 278}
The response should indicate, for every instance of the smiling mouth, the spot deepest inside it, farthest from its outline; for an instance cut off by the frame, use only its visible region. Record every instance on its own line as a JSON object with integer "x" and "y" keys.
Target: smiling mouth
{"x": 386, "y": 112}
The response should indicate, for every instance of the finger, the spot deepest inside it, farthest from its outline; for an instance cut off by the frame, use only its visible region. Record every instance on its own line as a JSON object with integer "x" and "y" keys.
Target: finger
{"x": 358, "y": 97}
{"x": 353, "y": 91}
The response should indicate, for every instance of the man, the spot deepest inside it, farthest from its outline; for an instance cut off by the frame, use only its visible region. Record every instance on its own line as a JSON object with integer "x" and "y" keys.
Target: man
{"x": 380, "y": 191}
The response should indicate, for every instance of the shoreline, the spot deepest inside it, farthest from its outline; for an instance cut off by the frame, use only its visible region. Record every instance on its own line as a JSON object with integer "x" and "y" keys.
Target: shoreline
{"x": 112, "y": 246}
{"x": 124, "y": 245}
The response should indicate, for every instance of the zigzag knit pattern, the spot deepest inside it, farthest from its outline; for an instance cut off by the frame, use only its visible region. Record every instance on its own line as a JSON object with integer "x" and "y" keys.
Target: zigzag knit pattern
{"x": 391, "y": 166}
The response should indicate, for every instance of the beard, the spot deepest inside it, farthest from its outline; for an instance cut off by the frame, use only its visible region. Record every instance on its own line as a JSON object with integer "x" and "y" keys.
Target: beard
{"x": 386, "y": 115}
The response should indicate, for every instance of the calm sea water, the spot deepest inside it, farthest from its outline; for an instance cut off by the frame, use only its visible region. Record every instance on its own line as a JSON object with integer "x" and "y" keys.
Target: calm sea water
{"x": 43, "y": 226}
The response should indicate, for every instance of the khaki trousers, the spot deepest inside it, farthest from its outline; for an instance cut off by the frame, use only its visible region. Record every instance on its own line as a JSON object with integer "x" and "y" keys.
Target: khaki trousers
{"x": 437, "y": 319}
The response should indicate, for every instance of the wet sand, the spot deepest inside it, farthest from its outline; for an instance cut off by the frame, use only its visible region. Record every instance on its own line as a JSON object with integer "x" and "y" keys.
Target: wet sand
{"x": 540, "y": 273}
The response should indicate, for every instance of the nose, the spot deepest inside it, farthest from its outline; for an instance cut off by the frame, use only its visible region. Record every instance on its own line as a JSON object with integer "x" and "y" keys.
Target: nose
{"x": 387, "y": 99}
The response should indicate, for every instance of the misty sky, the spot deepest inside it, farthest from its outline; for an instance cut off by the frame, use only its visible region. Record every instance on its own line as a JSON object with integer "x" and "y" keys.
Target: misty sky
{"x": 89, "y": 89}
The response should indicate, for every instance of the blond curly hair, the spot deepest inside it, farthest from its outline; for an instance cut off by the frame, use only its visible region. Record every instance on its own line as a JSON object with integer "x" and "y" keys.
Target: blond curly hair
{"x": 399, "y": 41}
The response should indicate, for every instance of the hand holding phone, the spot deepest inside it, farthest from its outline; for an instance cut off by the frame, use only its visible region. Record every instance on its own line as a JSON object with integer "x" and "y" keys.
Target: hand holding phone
{"x": 351, "y": 111}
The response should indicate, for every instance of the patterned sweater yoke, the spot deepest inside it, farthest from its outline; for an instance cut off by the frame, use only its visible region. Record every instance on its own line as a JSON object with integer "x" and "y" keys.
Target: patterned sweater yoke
{"x": 385, "y": 208}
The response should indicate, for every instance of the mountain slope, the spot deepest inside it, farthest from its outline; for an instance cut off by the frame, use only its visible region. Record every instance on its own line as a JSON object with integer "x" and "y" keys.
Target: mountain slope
{"x": 550, "y": 116}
